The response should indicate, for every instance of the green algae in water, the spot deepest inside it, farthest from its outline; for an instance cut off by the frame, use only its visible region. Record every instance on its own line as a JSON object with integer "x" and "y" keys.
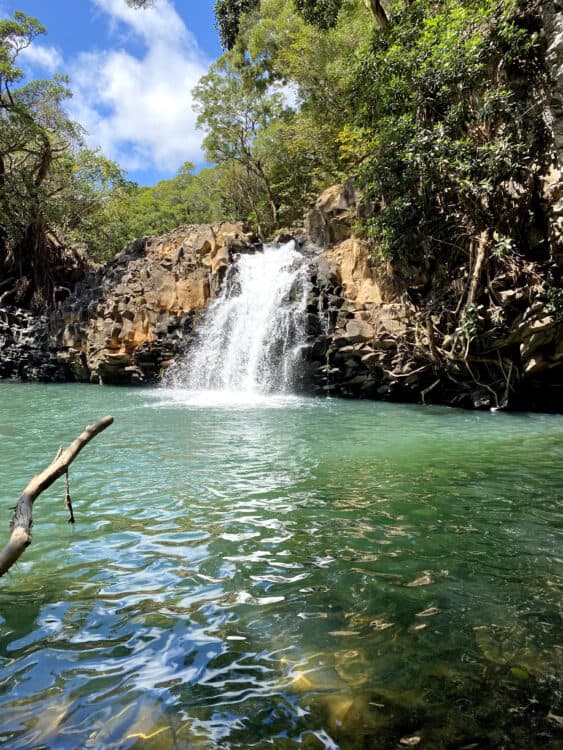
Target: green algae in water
{"x": 290, "y": 574}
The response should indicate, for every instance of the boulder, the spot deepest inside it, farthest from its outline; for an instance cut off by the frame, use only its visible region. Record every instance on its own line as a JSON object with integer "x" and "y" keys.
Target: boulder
{"x": 333, "y": 217}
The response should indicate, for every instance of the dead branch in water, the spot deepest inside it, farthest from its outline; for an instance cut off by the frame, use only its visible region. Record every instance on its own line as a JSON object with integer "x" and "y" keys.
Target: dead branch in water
{"x": 22, "y": 521}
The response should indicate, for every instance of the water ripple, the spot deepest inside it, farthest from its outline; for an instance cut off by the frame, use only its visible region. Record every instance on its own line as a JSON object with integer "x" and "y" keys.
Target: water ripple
{"x": 270, "y": 575}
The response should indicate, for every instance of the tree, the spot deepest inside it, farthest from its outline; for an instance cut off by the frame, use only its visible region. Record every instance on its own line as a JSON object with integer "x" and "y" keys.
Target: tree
{"x": 320, "y": 13}
{"x": 448, "y": 139}
{"x": 315, "y": 71}
{"x": 85, "y": 187}
{"x": 35, "y": 133}
{"x": 324, "y": 13}
{"x": 54, "y": 193}
{"x": 234, "y": 105}
{"x": 288, "y": 152}
{"x": 228, "y": 14}
{"x": 133, "y": 211}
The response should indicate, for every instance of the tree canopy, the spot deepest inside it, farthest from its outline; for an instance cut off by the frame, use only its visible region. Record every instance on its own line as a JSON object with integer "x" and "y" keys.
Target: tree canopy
{"x": 427, "y": 105}
{"x": 51, "y": 187}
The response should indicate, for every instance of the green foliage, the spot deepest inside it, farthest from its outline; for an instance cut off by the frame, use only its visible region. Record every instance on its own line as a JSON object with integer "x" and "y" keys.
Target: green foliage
{"x": 130, "y": 211}
{"x": 555, "y": 302}
{"x": 320, "y": 13}
{"x": 34, "y": 134}
{"x": 53, "y": 191}
{"x": 235, "y": 105}
{"x": 453, "y": 142}
{"x": 228, "y": 17}
{"x": 16, "y": 34}
{"x": 503, "y": 247}
{"x": 275, "y": 105}
{"x": 437, "y": 116}
{"x": 81, "y": 208}
{"x": 470, "y": 323}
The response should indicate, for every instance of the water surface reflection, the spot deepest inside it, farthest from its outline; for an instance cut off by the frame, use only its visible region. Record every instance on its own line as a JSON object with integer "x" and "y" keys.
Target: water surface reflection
{"x": 282, "y": 574}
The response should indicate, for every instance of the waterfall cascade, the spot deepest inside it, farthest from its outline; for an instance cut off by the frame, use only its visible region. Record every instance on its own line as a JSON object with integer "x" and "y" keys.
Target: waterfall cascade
{"x": 250, "y": 337}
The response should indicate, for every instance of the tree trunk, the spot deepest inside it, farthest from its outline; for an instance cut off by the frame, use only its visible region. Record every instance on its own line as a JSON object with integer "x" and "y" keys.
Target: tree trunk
{"x": 256, "y": 167}
{"x": 378, "y": 12}
{"x": 22, "y": 521}
{"x": 477, "y": 268}
{"x": 32, "y": 254}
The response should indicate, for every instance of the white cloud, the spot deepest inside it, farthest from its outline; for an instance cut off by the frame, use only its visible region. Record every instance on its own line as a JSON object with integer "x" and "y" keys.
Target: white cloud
{"x": 155, "y": 22}
{"x": 48, "y": 58}
{"x": 138, "y": 108}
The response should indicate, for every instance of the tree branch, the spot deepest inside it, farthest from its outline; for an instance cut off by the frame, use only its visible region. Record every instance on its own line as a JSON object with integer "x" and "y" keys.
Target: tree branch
{"x": 378, "y": 12}
{"x": 477, "y": 268}
{"x": 22, "y": 520}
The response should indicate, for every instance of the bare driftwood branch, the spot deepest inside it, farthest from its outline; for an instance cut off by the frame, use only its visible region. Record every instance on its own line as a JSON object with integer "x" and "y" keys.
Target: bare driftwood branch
{"x": 22, "y": 521}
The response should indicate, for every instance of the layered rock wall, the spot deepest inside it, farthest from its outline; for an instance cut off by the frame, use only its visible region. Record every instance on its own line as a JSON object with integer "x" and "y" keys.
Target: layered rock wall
{"x": 125, "y": 321}
{"x": 378, "y": 328}
{"x": 368, "y": 336}
{"x": 25, "y": 350}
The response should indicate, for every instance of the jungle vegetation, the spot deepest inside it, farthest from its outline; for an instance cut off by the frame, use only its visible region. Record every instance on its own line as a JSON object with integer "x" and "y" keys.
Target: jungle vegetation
{"x": 434, "y": 108}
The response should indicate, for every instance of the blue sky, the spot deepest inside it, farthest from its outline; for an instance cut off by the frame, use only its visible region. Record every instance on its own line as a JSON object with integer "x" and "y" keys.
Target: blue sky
{"x": 131, "y": 74}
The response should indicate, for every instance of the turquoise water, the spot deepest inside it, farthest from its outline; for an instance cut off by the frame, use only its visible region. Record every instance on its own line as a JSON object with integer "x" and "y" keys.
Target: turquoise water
{"x": 282, "y": 574}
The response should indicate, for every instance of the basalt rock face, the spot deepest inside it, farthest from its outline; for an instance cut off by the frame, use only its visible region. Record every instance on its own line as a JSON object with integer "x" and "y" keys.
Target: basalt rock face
{"x": 370, "y": 332}
{"x": 378, "y": 327}
{"x": 126, "y": 322}
{"x": 359, "y": 311}
{"x": 25, "y": 352}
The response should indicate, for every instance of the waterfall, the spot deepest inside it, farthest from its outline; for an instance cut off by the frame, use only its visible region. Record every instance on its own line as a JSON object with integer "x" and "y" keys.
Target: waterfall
{"x": 250, "y": 337}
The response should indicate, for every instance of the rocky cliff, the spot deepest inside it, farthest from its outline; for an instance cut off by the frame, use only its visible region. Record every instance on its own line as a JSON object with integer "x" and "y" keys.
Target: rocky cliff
{"x": 481, "y": 332}
{"x": 388, "y": 333}
{"x": 370, "y": 332}
{"x": 124, "y": 321}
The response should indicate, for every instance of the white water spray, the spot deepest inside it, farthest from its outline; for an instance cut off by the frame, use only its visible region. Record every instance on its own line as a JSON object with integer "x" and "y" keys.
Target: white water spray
{"x": 250, "y": 337}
